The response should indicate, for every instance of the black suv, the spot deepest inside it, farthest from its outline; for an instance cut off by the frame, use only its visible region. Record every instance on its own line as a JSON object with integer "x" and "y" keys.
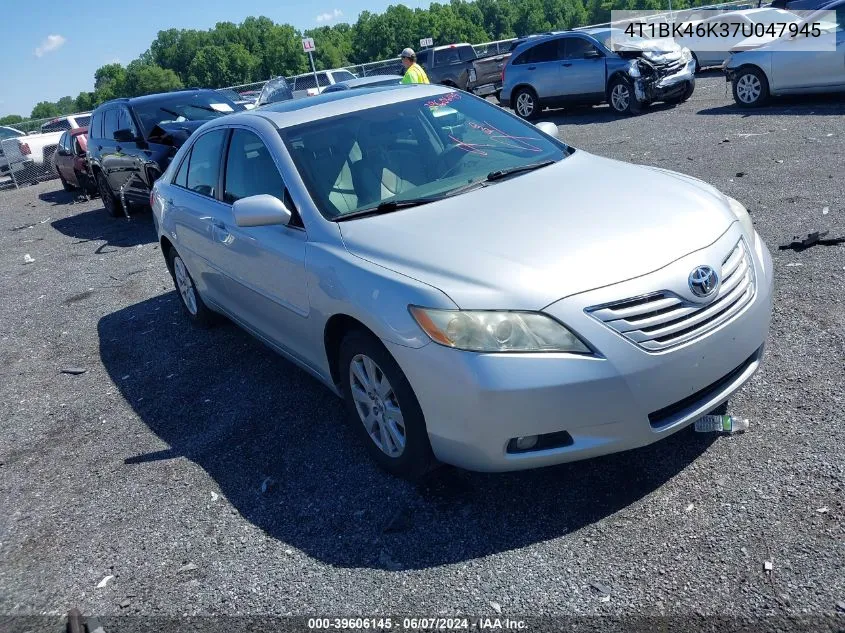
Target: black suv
{"x": 131, "y": 141}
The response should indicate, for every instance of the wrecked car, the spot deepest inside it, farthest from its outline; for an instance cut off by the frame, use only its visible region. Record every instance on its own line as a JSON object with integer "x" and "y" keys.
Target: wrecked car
{"x": 132, "y": 141}
{"x": 593, "y": 66}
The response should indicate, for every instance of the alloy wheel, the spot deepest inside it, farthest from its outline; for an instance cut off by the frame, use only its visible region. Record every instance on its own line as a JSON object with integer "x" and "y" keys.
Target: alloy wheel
{"x": 748, "y": 88}
{"x": 525, "y": 105}
{"x": 377, "y": 405}
{"x": 185, "y": 285}
{"x": 620, "y": 97}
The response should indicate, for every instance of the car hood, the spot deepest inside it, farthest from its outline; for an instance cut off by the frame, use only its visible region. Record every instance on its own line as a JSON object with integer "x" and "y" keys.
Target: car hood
{"x": 523, "y": 243}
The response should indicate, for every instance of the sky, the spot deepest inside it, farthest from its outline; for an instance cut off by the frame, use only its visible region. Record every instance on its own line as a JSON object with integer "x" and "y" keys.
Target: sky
{"x": 50, "y": 48}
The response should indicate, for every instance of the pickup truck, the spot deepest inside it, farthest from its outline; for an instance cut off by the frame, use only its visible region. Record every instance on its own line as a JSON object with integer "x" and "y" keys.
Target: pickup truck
{"x": 457, "y": 65}
{"x": 33, "y": 153}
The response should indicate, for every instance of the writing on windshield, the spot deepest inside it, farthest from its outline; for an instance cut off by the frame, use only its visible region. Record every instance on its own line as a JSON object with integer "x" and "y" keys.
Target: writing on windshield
{"x": 496, "y": 139}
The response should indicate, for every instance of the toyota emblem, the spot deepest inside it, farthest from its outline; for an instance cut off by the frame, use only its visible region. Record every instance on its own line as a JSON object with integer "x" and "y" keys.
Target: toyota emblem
{"x": 703, "y": 281}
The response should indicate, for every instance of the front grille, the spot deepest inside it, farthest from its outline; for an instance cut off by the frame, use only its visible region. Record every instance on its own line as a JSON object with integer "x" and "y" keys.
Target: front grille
{"x": 662, "y": 320}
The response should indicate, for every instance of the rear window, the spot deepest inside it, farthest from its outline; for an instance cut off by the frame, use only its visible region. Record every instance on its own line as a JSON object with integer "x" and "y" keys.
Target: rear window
{"x": 342, "y": 75}
{"x": 57, "y": 125}
{"x": 447, "y": 56}
{"x": 82, "y": 121}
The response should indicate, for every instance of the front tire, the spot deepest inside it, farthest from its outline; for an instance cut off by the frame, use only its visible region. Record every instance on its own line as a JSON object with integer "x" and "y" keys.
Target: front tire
{"x": 750, "y": 87}
{"x": 622, "y": 98}
{"x": 525, "y": 103}
{"x": 189, "y": 297}
{"x": 382, "y": 407}
{"x": 684, "y": 96}
{"x": 110, "y": 201}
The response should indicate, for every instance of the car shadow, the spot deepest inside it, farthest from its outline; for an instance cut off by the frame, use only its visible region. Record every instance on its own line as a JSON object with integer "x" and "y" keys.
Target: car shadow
{"x": 588, "y": 115}
{"x": 63, "y": 197}
{"x": 98, "y": 225}
{"x": 275, "y": 442}
{"x": 795, "y": 105}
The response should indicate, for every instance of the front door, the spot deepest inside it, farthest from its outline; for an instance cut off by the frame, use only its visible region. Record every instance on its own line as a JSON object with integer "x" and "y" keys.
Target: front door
{"x": 811, "y": 63}
{"x": 583, "y": 76}
{"x": 264, "y": 265}
{"x": 543, "y": 62}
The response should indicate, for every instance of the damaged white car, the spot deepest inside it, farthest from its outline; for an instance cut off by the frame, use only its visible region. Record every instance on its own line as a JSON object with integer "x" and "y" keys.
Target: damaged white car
{"x": 593, "y": 66}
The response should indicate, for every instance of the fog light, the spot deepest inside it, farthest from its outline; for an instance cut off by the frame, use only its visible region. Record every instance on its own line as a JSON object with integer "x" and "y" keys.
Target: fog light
{"x": 526, "y": 443}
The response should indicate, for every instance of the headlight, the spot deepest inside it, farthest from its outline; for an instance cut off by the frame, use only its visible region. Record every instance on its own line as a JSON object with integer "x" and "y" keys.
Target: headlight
{"x": 483, "y": 331}
{"x": 686, "y": 56}
{"x": 741, "y": 214}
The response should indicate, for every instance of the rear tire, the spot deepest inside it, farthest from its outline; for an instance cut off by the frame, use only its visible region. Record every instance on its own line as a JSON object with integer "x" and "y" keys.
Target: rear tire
{"x": 525, "y": 103}
{"x": 110, "y": 201}
{"x": 383, "y": 404}
{"x": 189, "y": 297}
{"x": 750, "y": 87}
{"x": 622, "y": 98}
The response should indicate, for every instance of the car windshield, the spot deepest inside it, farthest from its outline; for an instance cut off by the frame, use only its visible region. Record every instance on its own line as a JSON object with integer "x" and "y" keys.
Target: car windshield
{"x": 176, "y": 108}
{"x": 428, "y": 148}
{"x": 7, "y": 132}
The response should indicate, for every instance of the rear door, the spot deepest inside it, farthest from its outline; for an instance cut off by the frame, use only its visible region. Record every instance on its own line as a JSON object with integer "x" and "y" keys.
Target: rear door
{"x": 583, "y": 77}
{"x": 810, "y": 63}
{"x": 543, "y": 65}
{"x": 107, "y": 146}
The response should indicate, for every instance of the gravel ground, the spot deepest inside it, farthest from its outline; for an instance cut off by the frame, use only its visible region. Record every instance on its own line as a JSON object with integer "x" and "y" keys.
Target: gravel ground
{"x": 209, "y": 476}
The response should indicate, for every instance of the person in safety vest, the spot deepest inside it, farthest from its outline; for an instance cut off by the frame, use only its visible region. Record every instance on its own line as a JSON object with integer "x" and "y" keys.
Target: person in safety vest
{"x": 414, "y": 73}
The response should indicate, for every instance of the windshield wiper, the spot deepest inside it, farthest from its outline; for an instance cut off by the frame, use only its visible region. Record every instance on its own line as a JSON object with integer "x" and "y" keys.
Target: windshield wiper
{"x": 503, "y": 173}
{"x": 388, "y": 206}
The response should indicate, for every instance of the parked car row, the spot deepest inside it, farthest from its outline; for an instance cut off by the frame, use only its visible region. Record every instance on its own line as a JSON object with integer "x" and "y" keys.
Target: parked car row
{"x": 31, "y": 155}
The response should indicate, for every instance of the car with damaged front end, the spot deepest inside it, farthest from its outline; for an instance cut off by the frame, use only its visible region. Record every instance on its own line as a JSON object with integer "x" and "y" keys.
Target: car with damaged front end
{"x": 593, "y": 66}
{"x": 468, "y": 284}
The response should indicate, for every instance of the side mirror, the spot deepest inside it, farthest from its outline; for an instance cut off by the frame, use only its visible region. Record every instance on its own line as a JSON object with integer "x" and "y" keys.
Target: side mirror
{"x": 592, "y": 54}
{"x": 548, "y": 128}
{"x": 260, "y": 210}
{"x": 125, "y": 136}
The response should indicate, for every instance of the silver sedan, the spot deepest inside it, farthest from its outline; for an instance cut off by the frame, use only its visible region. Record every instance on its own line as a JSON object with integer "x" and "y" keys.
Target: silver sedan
{"x": 477, "y": 291}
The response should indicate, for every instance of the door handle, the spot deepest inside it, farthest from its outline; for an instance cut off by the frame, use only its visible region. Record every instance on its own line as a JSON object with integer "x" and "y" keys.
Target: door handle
{"x": 99, "y": 147}
{"x": 532, "y": 68}
{"x": 567, "y": 64}
{"x": 220, "y": 232}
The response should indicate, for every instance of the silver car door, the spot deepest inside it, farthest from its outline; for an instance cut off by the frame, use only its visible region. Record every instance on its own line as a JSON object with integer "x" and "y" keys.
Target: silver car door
{"x": 583, "y": 75}
{"x": 264, "y": 265}
{"x": 543, "y": 67}
{"x": 810, "y": 63}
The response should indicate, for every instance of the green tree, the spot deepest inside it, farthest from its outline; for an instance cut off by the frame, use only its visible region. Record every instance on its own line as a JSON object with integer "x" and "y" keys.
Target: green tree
{"x": 109, "y": 82}
{"x": 85, "y": 101}
{"x": 45, "y": 110}
{"x": 143, "y": 79}
{"x": 11, "y": 119}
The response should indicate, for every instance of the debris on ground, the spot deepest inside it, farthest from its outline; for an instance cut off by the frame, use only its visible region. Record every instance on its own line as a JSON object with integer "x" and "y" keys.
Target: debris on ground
{"x": 740, "y": 174}
{"x": 268, "y": 485}
{"x": 840, "y": 604}
{"x": 188, "y": 567}
{"x": 496, "y": 606}
{"x": 689, "y": 507}
{"x": 799, "y": 244}
{"x": 74, "y": 371}
{"x": 105, "y": 581}
{"x": 214, "y": 496}
{"x": 768, "y": 565}
{"x": 825, "y": 210}
{"x": 600, "y": 587}
{"x": 604, "y": 599}
{"x": 779, "y": 161}
{"x": 125, "y": 603}
{"x": 823, "y": 510}
{"x": 27, "y": 259}
{"x": 794, "y": 264}
{"x": 720, "y": 424}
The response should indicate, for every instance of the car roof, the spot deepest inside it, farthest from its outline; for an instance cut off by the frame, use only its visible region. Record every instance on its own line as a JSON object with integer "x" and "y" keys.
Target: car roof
{"x": 293, "y": 112}
{"x": 156, "y": 96}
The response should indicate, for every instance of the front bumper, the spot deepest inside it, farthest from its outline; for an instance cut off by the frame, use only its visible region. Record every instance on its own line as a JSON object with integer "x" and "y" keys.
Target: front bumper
{"x": 622, "y": 398}
{"x": 649, "y": 89}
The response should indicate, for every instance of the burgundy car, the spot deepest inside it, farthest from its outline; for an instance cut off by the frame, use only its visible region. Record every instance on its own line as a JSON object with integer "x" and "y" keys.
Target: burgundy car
{"x": 70, "y": 161}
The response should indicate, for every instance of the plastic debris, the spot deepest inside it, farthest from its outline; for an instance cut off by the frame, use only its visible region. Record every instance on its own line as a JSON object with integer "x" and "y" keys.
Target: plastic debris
{"x": 496, "y": 606}
{"x": 740, "y": 174}
{"x": 823, "y": 510}
{"x": 604, "y": 599}
{"x": 768, "y": 565}
{"x": 105, "y": 581}
{"x": 799, "y": 244}
{"x": 27, "y": 259}
{"x": 689, "y": 507}
{"x": 794, "y": 264}
{"x": 826, "y": 210}
{"x": 125, "y": 603}
{"x": 74, "y": 371}
{"x": 840, "y": 604}
{"x": 187, "y": 568}
{"x": 601, "y": 588}
{"x": 720, "y": 424}
{"x": 214, "y": 496}
{"x": 268, "y": 485}
{"x": 288, "y": 552}
{"x": 779, "y": 161}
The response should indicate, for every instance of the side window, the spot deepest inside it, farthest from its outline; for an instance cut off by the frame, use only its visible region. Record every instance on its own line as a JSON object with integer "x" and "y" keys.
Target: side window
{"x": 250, "y": 169}
{"x": 124, "y": 120}
{"x": 204, "y": 165}
{"x": 77, "y": 148}
{"x": 306, "y": 82}
{"x": 181, "y": 178}
{"x": 323, "y": 79}
{"x": 545, "y": 52}
{"x": 63, "y": 141}
{"x": 422, "y": 58}
{"x": 577, "y": 48}
{"x": 447, "y": 56}
{"x": 110, "y": 123}
{"x": 95, "y": 130}
{"x": 467, "y": 53}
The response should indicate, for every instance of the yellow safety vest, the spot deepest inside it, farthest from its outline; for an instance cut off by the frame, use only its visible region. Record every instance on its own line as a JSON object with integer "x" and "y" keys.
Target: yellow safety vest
{"x": 415, "y": 75}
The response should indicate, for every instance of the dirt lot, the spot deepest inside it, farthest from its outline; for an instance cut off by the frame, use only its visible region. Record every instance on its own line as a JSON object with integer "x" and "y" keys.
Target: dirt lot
{"x": 209, "y": 476}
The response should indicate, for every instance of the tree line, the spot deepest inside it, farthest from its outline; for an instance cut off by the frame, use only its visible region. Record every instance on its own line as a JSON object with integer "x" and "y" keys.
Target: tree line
{"x": 258, "y": 48}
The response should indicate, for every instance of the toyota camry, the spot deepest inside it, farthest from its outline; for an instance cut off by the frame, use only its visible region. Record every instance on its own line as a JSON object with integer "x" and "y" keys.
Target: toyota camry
{"x": 476, "y": 290}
